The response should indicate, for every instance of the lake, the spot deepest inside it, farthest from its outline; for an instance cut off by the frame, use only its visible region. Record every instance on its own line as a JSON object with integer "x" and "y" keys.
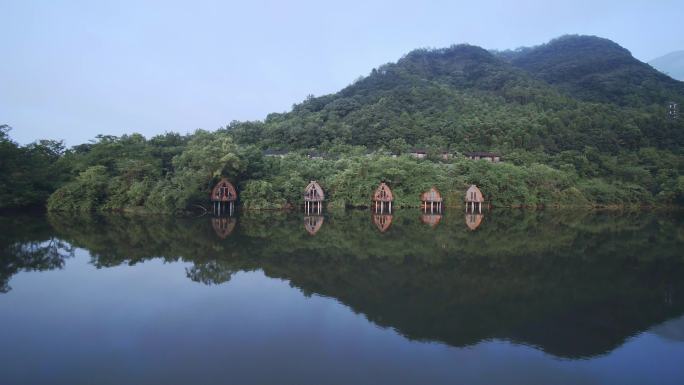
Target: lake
{"x": 514, "y": 297}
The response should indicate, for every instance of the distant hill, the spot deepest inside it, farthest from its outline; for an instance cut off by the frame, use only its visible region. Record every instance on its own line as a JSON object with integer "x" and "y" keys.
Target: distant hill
{"x": 671, "y": 64}
{"x": 596, "y": 69}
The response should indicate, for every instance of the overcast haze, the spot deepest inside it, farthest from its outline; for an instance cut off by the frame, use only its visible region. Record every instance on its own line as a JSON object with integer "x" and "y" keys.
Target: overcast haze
{"x": 74, "y": 69}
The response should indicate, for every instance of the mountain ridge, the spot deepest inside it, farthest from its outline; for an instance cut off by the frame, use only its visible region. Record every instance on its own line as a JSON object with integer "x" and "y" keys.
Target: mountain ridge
{"x": 595, "y": 69}
{"x": 444, "y": 94}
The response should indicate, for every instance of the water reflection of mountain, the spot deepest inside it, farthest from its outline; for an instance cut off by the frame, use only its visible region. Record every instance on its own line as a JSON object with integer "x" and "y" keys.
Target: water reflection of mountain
{"x": 573, "y": 285}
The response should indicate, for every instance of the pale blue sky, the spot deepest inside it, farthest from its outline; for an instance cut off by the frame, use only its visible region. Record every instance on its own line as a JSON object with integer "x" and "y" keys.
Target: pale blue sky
{"x": 73, "y": 69}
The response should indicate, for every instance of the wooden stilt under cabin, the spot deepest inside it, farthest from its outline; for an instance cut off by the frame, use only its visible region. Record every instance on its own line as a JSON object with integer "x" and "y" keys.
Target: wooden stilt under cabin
{"x": 223, "y": 197}
{"x": 382, "y": 199}
{"x": 474, "y": 199}
{"x": 313, "y": 198}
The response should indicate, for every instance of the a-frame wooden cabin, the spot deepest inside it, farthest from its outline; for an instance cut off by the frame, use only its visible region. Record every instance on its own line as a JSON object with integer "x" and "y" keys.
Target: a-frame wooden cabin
{"x": 383, "y": 197}
{"x": 313, "y": 197}
{"x": 223, "y": 196}
{"x": 432, "y": 199}
{"x": 474, "y": 197}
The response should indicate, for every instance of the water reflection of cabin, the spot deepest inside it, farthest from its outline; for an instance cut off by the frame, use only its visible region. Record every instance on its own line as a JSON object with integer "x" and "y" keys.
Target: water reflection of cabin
{"x": 313, "y": 223}
{"x": 223, "y": 226}
{"x": 223, "y": 196}
{"x": 474, "y": 198}
{"x": 382, "y": 221}
{"x": 431, "y": 198}
{"x": 313, "y": 197}
{"x": 431, "y": 219}
{"x": 383, "y": 197}
{"x": 473, "y": 220}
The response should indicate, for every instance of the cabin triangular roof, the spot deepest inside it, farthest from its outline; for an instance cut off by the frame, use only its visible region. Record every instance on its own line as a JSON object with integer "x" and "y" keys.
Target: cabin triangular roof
{"x": 227, "y": 195}
{"x": 383, "y": 193}
{"x": 313, "y": 192}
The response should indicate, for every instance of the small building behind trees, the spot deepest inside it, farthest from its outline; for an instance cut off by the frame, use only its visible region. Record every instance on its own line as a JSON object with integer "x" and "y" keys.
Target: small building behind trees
{"x": 418, "y": 153}
{"x": 275, "y": 153}
{"x": 488, "y": 156}
{"x": 383, "y": 198}
{"x": 223, "y": 196}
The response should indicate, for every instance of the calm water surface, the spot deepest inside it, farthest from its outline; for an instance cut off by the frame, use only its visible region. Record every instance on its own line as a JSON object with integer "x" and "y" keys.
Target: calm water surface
{"x": 347, "y": 298}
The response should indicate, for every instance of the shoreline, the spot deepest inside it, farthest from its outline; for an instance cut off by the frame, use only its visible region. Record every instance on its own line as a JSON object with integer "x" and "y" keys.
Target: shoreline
{"x": 489, "y": 208}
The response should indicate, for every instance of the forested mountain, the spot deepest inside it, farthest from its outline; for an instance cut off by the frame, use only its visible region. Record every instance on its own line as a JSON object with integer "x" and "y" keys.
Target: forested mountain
{"x": 573, "y": 92}
{"x": 578, "y": 121}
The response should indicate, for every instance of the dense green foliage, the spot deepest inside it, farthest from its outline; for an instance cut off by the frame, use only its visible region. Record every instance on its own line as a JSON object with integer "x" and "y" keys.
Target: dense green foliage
{"x": 579, "y": 121}
{"x": 348, "y": 179}
{"x": 28, "y": 174}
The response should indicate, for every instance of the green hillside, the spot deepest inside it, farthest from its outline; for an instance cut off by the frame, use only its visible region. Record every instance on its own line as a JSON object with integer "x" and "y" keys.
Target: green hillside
{"x": 467, "y": 98}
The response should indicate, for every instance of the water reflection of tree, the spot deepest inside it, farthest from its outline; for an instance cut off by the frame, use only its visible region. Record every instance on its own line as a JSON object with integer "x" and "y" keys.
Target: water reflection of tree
{"x": 573, "y": 284}
{"x": 27, "y": 244}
